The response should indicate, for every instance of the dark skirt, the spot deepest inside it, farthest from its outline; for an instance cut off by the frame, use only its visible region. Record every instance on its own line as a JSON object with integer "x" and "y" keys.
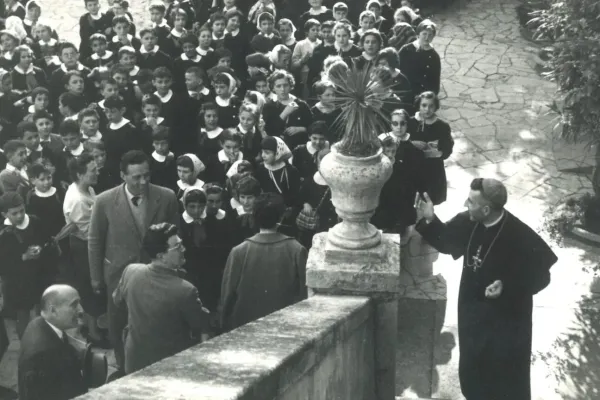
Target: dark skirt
{"x": 92, "y": 303}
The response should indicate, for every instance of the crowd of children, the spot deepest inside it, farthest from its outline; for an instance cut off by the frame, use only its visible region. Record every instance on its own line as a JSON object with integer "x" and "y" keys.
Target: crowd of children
{"x": 230, "y": 100}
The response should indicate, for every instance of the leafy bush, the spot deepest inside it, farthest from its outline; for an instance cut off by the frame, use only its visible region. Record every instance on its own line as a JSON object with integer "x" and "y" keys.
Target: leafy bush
{"x": 560, "y": 220}
{"x": 574, "y": 28}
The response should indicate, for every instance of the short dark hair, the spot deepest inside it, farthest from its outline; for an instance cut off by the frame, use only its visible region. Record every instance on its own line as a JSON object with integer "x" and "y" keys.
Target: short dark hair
{"x": 162, "y": 72}
{"x": 151, "y": 99}
{"x": 161, "y": 133}
{"x": 10, "y": 200}
{"x": 115, "y": 101}
{"x": 371, "y": 32}
{"x": 69, "y": 74}
{"x": 389, "y": 54}
{"x": 78, "y": 165}
{"x": 35, "y": 170}
{"x": 429, "y": 95}
{"x": 69, "y": 127}
{"x": 248, "y": 185}
{"x": 268, "y": 210}
{"x": 145, "y": 31}
{"x": 157, "y": 237}
{"x": 39, "y": 91}
{"x": 197, "y": 72}
{"x": 26, "y": 126}
{"x": 310, "y": 23}
{"x": 12, "y": 146}
{"x": 133, "y": 157}
{"x": 121, "y": 19}
{"x": 194, "y": 196}
{"x": 213, "y": 188}
{"x": 231, "y": 134}
{"x": 318, "y": 128}
{"x": 71, "y": 101}
{"x": 42, "y": 115}
{"x": 492, "y": 190}
{"x": 189, "y": 38}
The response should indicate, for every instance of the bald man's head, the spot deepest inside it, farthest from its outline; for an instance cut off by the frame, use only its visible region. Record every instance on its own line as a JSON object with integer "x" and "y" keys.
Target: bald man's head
{"x": 61, "y": 306}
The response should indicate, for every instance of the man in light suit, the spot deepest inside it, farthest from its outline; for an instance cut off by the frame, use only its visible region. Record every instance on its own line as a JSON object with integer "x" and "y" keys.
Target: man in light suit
{"x": 120, "y": 218}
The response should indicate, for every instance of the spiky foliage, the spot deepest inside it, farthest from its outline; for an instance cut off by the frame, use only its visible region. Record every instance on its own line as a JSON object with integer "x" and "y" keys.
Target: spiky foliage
{"x": 361, "y": 98}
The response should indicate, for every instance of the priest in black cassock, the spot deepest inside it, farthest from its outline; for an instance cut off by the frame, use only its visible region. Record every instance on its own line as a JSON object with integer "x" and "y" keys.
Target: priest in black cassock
{"x": 504, "y": 264}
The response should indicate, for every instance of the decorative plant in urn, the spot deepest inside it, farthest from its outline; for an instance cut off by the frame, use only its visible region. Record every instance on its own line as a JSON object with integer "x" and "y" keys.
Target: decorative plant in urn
{"x": 356, "y": 168}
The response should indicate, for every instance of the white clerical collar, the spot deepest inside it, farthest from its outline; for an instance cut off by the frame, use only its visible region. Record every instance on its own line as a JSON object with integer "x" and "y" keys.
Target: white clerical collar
{"x": 21, "y": 71}
{"x": 269, "y": 36}
{"x": 220, "y": 214}
{"x": 77, "y": 152}
{"x": 22, "y": 171}
{"x": 495, "y": 222}
{"x": 222, "y": 102}
{"x": 159, "y": 120}
{"x": 96, "y": 17}
{"x": 160, "y": 157}
{"x": 153, "y": 51}
{"x": 78, "y": 68}
{"x": 116, "y": 39}
{"x": 223, "y": 157}
{"x": 50, "y": 42}
{"x": 183, "y": 185}
{"x": 56, "y": 330}
{"x": 184, "y": 57}
{"x": 23, "y": 225}
{"x": 101, "y": 104}
{"x": 96, "y": 137}
{"x": 107, "y": 54}
{"x": 213, "y": 133}
{"x": 51, "y": 192}
{"x": 205, "y": 91}
{"x": 166, "y": 97}
{"x": 203, "y": 52}
{"x": 119, "y": 125}
{"x": 162, "y": 24}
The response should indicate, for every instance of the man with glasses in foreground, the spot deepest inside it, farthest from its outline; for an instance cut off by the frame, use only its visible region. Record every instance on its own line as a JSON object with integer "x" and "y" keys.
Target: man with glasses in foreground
{"x": 165, "y": 314}
{"x": 504, "y": 264}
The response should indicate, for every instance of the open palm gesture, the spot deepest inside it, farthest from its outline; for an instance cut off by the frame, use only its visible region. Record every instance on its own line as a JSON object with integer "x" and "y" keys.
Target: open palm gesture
{"x": 424, "y": 207}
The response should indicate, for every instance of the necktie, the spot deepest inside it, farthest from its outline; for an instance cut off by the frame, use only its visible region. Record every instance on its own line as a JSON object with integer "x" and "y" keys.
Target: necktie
{"x": 65, "y": 338}
{"x": 136, "y": 200}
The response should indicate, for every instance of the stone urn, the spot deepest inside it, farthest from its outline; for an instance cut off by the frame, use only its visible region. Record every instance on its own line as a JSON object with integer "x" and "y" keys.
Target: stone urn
{"x": 355, "y": 184}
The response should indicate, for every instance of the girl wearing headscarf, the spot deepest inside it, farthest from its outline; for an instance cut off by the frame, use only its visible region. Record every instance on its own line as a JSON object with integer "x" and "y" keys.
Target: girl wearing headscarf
{"x": 189, "y": 167}
{"x": 277, "y": 175}
{"x": 9, "y": 41}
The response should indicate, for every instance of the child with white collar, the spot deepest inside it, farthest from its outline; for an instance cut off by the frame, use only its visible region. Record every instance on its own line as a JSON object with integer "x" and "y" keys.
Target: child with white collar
{"x": 305, "y": 156}
{"x": 163, "y": 168}
{"x": 189, "y": 167}
{"x": 225, "y": 86}
{"x": 230, "y": 154}
{"x": 45, "y": 201}
{"x": 28, "y": 256}
{"x": 276, "y": 175}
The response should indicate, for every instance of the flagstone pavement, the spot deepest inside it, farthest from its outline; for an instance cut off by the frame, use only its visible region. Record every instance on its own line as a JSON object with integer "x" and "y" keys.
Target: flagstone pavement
{"x": 497, "y": 107}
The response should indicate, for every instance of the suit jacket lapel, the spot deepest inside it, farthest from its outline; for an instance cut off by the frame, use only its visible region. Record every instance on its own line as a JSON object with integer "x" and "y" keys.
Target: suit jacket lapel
{"x": 153, "y": 205}
{"x": 122, "y": 204}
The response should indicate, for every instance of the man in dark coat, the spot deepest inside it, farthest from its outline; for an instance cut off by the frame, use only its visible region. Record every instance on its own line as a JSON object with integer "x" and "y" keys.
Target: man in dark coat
{"x": 505, "y": 263}
{"x": 49, "y": 368}
{"x": 265, "y": 273}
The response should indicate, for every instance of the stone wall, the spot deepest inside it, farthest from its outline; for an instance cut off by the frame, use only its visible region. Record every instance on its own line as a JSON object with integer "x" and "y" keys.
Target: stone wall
{"x": 321, "y": 348}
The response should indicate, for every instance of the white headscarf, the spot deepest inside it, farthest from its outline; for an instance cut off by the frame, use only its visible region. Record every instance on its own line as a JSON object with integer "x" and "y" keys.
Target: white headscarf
{"x": 15, "y": 25}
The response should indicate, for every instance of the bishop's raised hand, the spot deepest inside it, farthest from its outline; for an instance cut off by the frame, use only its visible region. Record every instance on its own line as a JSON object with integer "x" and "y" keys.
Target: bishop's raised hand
{"x": 424, "y": 207}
